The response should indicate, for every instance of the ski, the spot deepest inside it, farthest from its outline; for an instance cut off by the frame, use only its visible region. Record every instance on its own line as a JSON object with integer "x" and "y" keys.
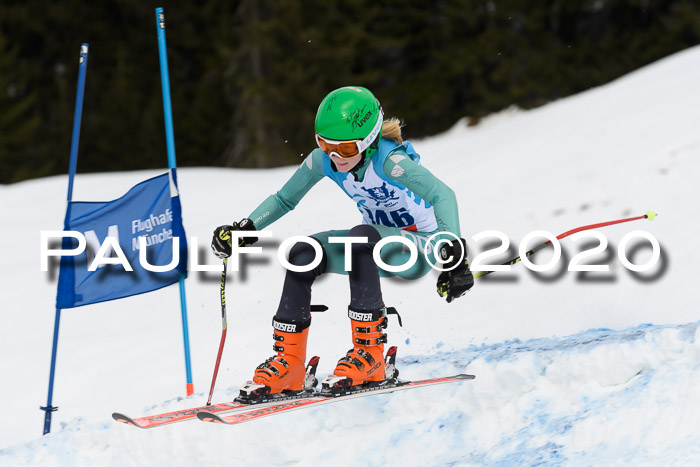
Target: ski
{"x": 265, "y": 400}
{"x": 321, "y": 398}
{"x": 152, "y": 421}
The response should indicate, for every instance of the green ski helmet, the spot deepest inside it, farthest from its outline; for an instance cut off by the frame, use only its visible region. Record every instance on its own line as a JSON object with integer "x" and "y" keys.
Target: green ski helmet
{"x": 351, "y": 113}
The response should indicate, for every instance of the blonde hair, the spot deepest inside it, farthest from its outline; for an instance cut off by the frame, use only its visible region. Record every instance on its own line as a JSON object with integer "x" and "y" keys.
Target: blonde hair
{"x": 391, "y": 130}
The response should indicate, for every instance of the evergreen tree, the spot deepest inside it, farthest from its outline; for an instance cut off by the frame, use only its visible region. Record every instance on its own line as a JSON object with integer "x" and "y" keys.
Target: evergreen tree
{"x": 18, "y": 122}
{"x": 246, "y": 76}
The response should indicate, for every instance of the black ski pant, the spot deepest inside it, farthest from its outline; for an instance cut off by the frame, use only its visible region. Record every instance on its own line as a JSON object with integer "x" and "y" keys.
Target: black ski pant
{"x": 365, "y": 290}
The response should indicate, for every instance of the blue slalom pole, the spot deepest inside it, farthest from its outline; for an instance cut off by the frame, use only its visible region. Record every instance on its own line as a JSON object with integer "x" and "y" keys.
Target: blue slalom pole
{"x": 170, "y": 140}
{"x": 77, "y": 116}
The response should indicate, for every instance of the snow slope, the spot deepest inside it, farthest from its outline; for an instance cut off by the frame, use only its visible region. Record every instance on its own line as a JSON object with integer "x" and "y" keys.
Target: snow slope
{"x": 569, "y": 369}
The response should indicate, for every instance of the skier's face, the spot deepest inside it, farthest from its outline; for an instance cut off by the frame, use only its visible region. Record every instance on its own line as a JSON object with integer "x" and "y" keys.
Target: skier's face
{"x": 344, "y": 154}
{"x": 344, "y": 164}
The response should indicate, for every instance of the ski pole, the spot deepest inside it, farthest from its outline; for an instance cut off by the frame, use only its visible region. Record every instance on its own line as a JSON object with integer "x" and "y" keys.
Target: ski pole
{"x": 223, "y": 331}
{"x": 649, "y": 215}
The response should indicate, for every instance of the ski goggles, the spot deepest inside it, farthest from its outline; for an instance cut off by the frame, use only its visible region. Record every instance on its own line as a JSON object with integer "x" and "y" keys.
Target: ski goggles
{"x": 343, "y": 149}
{"x": 349, "y": 149}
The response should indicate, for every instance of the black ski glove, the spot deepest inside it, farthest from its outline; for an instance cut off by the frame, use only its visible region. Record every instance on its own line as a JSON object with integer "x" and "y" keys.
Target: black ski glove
{"x": 221, "y": 242}
{"x": 459, "y": 280}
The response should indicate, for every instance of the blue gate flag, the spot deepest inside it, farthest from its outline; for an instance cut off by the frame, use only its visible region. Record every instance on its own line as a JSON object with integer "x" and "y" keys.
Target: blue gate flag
{"x": 150, "y": 209}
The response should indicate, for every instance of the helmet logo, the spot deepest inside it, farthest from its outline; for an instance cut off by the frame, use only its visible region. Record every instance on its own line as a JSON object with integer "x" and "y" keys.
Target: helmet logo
{"x": 359, "y": 117}
{"x": 330, "y": 103}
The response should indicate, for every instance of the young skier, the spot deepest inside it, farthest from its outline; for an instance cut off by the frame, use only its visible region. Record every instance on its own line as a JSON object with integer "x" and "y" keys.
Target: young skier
{"x": 397, "y": 196}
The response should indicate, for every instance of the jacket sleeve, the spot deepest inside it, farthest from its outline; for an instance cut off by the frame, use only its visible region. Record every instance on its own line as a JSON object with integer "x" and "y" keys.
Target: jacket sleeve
{"x": 401, "y": 168}
{"x": 277, "y": 205}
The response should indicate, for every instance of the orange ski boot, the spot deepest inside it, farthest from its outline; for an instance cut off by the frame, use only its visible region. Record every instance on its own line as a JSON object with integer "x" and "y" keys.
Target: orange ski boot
{"x": 284, "y": 372}
{"x": 364, "y": 363}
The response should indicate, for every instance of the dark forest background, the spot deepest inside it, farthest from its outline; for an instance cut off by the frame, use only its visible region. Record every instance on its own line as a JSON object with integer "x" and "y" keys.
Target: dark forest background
{"x": 247, "y": 76}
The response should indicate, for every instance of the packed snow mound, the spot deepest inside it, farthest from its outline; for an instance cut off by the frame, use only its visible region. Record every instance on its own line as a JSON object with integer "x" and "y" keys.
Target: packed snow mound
{"x": 586, "y": 399}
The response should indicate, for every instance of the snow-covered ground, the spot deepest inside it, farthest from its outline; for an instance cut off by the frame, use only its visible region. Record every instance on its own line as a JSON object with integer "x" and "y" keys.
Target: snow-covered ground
{"x": 592, "y": 369}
